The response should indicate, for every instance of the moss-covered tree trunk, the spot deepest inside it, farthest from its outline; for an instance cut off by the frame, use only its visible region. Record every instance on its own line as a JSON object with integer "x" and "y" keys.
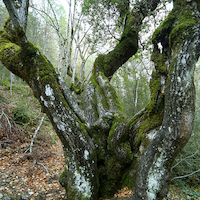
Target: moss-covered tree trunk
{"x": 173, "y": 82}
{"x": 100, "y": 144}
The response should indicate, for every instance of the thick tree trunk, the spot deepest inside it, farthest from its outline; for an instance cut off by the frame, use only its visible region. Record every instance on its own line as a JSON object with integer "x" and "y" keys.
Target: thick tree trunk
{"x": 99, "y": 143}
{"x": 179, "y": 36}
{"x": 80, "y": 153}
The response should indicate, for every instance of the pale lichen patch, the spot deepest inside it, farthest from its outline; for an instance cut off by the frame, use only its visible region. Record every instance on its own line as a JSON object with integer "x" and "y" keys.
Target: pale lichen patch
{"x": 81, "y": 183}
{"x": 155, "y": 174}
{"x": 45, "y": 102}
{"x": 183, "y": 61}
{"x": 86, "y": 154}
{"x": 179, "y": 79}
{"x": 141, "y": 149}
{"x": 151, "y": 134}
{"x": 61, "y": 127}
{"x": 48, "y": 90}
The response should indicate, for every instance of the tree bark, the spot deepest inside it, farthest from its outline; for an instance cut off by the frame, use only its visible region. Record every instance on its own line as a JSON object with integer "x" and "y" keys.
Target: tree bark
{"x": 18, "y": 12}
{"x": 99, "y": 143}
{"x": 153, "y": 176}
{"x": 36, "y": 70}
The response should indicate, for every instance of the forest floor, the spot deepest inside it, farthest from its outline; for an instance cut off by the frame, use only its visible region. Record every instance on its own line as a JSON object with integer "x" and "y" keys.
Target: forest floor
{"x": 25, "y": 175}
{"x": 35, "y": 175}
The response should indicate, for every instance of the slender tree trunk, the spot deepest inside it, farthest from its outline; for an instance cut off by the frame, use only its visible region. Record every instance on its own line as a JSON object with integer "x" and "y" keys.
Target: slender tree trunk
{"x": 72, "y": 20}
{"x": 45, "y": 39}
{"x": 75, "y": 59}
{"x": 11, "y": 81}
{"x": 60, "y": 54}
{"x": 82, "y": 70}
{"x": 136, "y": 95}
{"x": 67, "y": 39}
{"x": 3, "y": 74}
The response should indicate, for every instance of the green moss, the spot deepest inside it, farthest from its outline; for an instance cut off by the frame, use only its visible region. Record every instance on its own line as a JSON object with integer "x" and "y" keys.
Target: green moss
{"x": 164, "y": 29}
{"x": 127, "y": 148}
{"x": 104, "y": 103}
{"x": 8, "y": 38}
{"x": 116, "y": 122}
{"x": 5, "y": 44}
{"x": 63, "y": 178}
{"x": 8, "y": 32}
{"x": 117, "y": 142}
{"x": 110, "y": 181}
{"x": 114, "y": 163}
{"x": 45, "y": 71}
{"x": 28, "y": 54}
{"x": 76, "y": 87}
{"x": 127, "y": 46}
{"x": 83, "y": 128}
{"x": 98, "y": 64}
{"x": 185, "y": 22}
{"x": 159, "y": 60}
{"x": 135, "y": 118}
{"x": 178, "y": 33}
{"x": 103, "y": 100}
{"x": 175, "y": 26}
{"x": 107, "y": 92}
{"x": 129, "y": 176}
{"x": 103, "y": 92}
{"x": 152, "y": 121}
{"x": 115, "y": 99}
{"x": 113, "y": 168}
{"x": 155, "y": 88}
{"x": 100, "y": 140}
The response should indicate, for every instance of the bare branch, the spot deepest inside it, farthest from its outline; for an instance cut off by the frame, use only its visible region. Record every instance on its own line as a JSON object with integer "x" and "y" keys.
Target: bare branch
{"x": 43, "y": 166}
{"x": 178, "y": 177}
{"x": 10, "y": 126}
{"x": 36, "y": 131}
{"x": 185, "y": 159}
{"x": 52, "y": 24}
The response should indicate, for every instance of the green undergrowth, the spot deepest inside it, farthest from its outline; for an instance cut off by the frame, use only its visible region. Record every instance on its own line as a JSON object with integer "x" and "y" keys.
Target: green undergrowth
{"x": 188, "y": 161}
{"x": 25, "y": 109}
{"x": 184, "y": 193}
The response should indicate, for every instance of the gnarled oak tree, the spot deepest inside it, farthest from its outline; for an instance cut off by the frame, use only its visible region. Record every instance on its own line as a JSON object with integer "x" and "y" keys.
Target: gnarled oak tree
{"x": 98, "y": 141}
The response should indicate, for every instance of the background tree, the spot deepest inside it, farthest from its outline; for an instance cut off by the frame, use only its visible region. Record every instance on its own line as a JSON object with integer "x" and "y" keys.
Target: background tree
{"x": 99, "y": 142}
{"x": 71, "y": 31}
{"x": 131, "y": 83}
